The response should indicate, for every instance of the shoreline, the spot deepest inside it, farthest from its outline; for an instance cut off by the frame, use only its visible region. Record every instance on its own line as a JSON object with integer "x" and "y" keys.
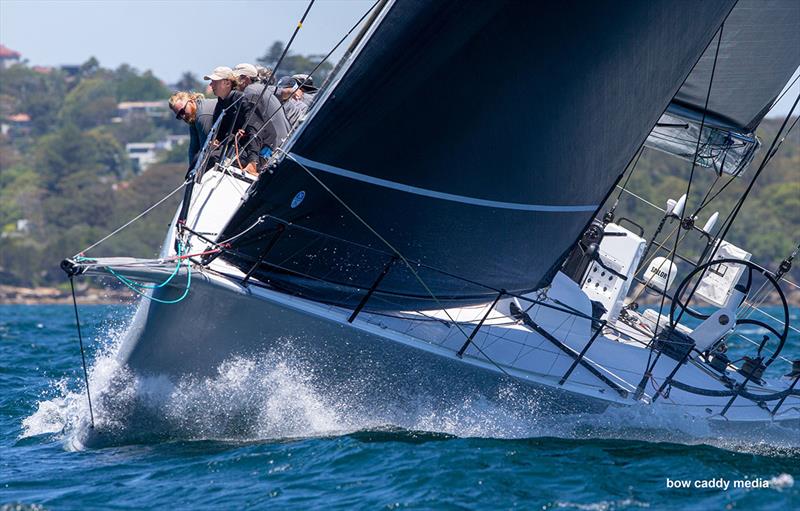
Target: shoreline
{"x": 19, "y": 295}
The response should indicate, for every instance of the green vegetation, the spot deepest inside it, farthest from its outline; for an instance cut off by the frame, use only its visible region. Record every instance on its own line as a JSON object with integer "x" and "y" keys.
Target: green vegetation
{"x": 66, "y": 180}
{"x": 768, "y": 225}
{"x": 293, "y": 63}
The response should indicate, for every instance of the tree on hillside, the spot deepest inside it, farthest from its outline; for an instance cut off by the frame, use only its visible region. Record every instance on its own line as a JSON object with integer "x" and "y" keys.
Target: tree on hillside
{"x": 272, "y": 55}
{"x": 68, "y": 152}
{"x": 131, "y": 86}
{"x": 90, "y": 68}
{"x": 77, "y": 200}
{"x": 143, "y": 238}
{"x": 189, "y": 83}
{"x": 293, "y": 64}
{"x": 135, "y": 129}
{"x": 39, "y": 95}
{"x": 91, "y": 103}
{"x": 20, "y": 196}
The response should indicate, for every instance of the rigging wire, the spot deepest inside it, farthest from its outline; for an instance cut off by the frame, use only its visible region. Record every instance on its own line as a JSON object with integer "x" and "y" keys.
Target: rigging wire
{"x": 625, "y": 184}
{"x": 642, "y": 199}
{"x": 397, "y": 253}
{"x": 694, "y": 164}
{"x": 137, "y": 287}
{"x": 659, "y": 208}
{"x": 224, "y": 141}
{"x": 753, "y": 305}
{"x": 305, "y": 80}
{"x": 767, "y": 158}
{"x": 280, "y": 61}
{"x": 648, "y": 366}
{"x": 83, "y": 355}
{"x": 785, "y": 90}
{"x": 723, "y": 230}
{"x": 134, "y": 219}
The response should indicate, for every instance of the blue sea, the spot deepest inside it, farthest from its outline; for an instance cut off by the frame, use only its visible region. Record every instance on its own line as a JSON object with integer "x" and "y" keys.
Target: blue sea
{"x": 301, "y": 451}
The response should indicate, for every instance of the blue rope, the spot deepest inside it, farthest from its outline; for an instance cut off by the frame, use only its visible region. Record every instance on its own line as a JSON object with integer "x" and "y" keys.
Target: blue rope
{"x": 138, "y": 286}
{"x": 156, "y": 286}
{"x": 132, "y": 286}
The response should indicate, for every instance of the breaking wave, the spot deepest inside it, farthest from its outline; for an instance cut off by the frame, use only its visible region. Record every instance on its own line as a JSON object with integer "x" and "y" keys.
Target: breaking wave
{"x": 279, "y": 396}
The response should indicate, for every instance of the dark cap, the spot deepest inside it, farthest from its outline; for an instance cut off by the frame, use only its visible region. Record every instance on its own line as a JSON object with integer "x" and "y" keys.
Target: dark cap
{"x": 305, "y": 82}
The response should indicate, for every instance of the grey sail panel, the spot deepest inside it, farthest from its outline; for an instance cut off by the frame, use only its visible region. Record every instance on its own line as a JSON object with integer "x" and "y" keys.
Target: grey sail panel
{"x": 759, "y": 52}
{"x": 476, "y": 137}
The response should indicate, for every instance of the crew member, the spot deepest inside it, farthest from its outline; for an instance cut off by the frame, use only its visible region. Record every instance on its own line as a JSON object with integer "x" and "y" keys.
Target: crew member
{"x": 269, "y": 122}
{"x": 196, "y": 111}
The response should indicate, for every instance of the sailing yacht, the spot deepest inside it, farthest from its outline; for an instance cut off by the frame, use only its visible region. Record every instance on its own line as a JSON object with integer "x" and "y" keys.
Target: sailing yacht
{"x": 436, "y": 222}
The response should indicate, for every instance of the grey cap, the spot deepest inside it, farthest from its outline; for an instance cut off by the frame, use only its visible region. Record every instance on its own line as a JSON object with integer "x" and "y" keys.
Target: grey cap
{"x": 245, "y": 70}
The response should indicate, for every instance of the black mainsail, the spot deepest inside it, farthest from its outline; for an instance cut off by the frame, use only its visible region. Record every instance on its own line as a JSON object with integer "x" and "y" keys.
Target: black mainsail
{"x": 477, "y": 138}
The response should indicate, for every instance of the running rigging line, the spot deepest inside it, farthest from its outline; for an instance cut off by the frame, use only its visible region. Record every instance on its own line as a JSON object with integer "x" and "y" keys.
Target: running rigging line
{"x": 723, "y": 231}
{"x": 398, "y": 254}
{"x": 182, "y": 185}
{"x": 310, "y": 74}
{"x": 280, "y": 59}
{"x": 648, "y": 367}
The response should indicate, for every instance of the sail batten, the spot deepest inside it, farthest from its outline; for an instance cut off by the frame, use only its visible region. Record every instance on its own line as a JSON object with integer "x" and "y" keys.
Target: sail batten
{"x": 457, "y": 128}
{"x": 475, "y": 201}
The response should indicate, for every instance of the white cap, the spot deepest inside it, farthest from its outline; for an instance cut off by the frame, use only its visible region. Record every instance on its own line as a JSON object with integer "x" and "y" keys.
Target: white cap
{"x": 220, "y": 73}
{"x": 245, "y": 70}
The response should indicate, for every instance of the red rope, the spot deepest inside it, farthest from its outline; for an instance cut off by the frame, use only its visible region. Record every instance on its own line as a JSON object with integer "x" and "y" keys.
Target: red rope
{"x": 173, "y": 258}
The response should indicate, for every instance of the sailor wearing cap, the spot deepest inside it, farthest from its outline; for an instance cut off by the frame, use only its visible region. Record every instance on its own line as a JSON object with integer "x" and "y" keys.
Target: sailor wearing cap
{"x": 307, "y": 90}
{"x": 222, "y": 81}
{"x": 269, "y": 109}
{"x": 223, "y": 85}
{"x": 245, "y": 74}
{"x": 285, "y": 91}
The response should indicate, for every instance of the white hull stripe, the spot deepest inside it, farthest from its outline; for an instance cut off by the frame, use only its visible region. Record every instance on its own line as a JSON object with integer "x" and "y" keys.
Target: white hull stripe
{"x": 436, "y": 195}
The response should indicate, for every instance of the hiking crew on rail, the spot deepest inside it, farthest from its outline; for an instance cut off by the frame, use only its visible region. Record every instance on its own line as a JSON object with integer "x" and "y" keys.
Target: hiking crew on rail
{"x": 258, "y": 113}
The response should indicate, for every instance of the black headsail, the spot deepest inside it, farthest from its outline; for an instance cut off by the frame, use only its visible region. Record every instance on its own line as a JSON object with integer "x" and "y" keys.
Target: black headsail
{"x": 758, "y": 53}
{"x": 476, "y": 137}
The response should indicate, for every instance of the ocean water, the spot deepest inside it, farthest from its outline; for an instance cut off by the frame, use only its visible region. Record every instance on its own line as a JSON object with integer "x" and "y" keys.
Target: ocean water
{"x": 261, "y": 435}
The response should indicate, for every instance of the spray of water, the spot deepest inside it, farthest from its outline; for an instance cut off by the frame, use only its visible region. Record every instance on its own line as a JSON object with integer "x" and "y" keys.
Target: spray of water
{"x": 278, "y": 396}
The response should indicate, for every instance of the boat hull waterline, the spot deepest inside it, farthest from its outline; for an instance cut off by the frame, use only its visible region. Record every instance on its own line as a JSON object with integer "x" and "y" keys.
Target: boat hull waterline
{"x": 381, "y": 370}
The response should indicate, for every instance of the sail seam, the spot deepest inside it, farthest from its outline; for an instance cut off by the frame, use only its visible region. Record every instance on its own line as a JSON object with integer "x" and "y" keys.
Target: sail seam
{"x": 440, "y": 195}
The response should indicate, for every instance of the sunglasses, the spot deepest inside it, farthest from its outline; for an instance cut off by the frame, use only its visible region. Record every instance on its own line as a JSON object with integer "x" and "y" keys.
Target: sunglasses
{"x": 181, "y": 112}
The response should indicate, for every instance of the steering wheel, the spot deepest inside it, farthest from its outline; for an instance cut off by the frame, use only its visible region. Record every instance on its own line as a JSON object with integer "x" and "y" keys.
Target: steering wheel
{"x": 681, "y": 306}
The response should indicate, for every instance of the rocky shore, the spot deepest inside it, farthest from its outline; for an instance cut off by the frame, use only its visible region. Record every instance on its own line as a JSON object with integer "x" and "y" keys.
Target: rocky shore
{"x": 50, "y": 295}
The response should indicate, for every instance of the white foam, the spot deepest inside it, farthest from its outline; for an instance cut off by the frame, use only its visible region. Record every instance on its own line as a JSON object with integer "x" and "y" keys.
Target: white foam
{"x": 781, "y": 482}
{"x": 603, "y": 505}
{"x": 277, "y": 396}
